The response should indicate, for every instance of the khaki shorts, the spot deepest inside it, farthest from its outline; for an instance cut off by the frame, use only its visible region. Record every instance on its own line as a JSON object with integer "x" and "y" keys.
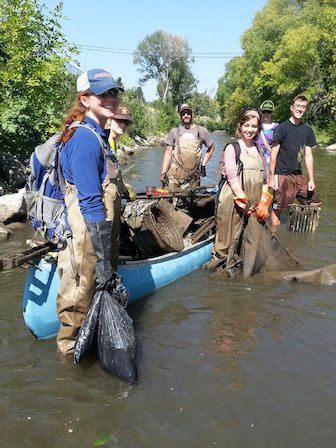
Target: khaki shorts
{"x": 291, "y": 187}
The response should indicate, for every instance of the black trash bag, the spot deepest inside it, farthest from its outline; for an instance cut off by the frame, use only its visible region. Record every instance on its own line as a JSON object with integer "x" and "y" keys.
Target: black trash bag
{"x": 116, "y": 340}
{"x": 120, "y": 292}
{"x": 86, "y": 341}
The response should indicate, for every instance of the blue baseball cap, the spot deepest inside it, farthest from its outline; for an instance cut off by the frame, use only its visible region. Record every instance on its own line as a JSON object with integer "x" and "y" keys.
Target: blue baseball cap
{"x": 98, "y": 81}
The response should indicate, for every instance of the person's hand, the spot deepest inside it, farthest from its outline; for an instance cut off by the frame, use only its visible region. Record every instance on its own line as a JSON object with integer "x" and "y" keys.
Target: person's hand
{"x": 164, "y": 179}
{"x": 241, "y": 202}
{"x": 101, "y": 237}
{"x": 202, "y": 170}
{"x": 311, "y": 185}
{"x": 262, "y": 207}
{"x": 130, "y": 192}
{"x": 271, "y": 183}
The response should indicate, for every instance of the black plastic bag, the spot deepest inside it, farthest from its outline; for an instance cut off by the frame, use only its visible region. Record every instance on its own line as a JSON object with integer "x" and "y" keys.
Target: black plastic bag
{"x": 85, "y": 341}
{"x": 109, "y": 330}
{"x": 116, "y": 339}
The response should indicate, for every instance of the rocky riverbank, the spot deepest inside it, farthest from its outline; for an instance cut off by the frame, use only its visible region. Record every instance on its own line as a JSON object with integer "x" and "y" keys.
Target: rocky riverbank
{"x": 331, "y": 147}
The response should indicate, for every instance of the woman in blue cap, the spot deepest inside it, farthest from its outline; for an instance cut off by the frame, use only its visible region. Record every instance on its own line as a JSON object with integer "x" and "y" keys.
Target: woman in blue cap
{"x": 92, "y": 176}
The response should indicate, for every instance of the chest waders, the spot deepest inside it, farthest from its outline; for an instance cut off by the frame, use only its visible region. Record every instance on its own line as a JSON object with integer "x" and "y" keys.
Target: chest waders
{"x": 186, "y": 159}
{"x": 229, "y": 221}
{"x": 75, "y": 292}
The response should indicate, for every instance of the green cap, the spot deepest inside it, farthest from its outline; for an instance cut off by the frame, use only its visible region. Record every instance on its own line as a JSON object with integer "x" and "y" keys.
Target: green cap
{"x": 267, "y": 105}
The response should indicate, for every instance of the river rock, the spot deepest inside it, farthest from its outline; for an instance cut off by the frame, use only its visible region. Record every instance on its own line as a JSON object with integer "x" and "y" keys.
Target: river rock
{"x": 331, "y": 147}
{"x": 128, "y": 150}
{"x": 5, "y": 232}
{"x": 322, "y": 276}
{"x": 13, "y": 207}
{"x": 12, "y": 172}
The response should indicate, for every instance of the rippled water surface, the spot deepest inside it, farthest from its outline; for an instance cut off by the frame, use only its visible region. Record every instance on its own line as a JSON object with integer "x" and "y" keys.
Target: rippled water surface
{"x": 240, "y": 364}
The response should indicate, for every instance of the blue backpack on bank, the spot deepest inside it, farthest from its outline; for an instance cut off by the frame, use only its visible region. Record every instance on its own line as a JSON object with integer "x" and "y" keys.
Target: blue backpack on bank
{"x": 45, "y": 190}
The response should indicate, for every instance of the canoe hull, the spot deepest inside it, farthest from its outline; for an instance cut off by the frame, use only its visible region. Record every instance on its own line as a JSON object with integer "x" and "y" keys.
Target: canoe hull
{"x": 140, "y": 277}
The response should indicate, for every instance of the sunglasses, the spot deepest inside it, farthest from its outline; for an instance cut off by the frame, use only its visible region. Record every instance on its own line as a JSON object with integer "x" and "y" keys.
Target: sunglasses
{"x": 185, "y": 113}
{"x": 111, "y": 92}
{"x": 245, "y": 109}
{"x": 126, "y": 122}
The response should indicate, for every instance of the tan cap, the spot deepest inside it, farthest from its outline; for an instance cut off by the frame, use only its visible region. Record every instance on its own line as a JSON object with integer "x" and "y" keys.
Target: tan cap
{"x": 123, "y": 113}
{"x": 185, "y": 106}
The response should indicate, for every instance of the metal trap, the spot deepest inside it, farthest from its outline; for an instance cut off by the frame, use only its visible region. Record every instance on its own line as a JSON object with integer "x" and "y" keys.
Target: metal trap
{"x": 303, "y": 218}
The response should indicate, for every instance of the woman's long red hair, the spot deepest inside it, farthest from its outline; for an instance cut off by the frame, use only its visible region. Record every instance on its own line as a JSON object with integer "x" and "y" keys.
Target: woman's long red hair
{"x": 76, "y": 113}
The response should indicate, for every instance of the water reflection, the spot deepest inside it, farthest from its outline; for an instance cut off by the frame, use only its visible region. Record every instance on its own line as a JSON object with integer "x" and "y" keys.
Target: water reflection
{"x": 221, "y": 363}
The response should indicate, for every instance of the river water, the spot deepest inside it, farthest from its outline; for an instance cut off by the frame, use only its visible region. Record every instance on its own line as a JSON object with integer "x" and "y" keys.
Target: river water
{"x": 241, "y": 364}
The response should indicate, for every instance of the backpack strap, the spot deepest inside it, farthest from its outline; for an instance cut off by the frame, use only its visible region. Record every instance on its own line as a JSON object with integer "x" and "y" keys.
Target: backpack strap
{"x": 262, "y": 135}
{"x": 198, "y": 131}
{"x": 262, "y": 155}
{"x": 237, "y": 149}
{"x": 103, "y": 144}
{"x": 105, "y": 152}
{"x": 177, "y": 139}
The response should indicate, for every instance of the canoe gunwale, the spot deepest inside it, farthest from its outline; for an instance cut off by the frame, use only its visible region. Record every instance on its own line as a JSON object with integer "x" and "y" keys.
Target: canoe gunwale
{"x": 166, "y": 257}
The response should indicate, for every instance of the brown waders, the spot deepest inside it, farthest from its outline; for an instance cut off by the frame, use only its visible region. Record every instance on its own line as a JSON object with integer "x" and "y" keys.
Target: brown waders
{"x": 184, "y": 168}
{"x": 228, "y": 220}
{"x": 77, "y": 288}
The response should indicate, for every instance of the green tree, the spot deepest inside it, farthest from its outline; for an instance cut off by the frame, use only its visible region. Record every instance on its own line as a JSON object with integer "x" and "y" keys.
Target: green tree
{"x": 290, "y": 49}
{"x": 234, "y": 92}
{"x": 140, "y": 115}
{"x": 159, "y": 56}
{"x": 327, "y": 104}
{"x": 295, "y": 66}
{"x": 34, "y": 80}
{"x": 183, "y": 82}
{"x": 164, "y": 118}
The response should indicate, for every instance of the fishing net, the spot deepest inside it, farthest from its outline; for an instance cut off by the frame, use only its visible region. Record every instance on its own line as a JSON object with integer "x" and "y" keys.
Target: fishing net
{"x": 263, "y": 251}
{"x": 255, "y": 249}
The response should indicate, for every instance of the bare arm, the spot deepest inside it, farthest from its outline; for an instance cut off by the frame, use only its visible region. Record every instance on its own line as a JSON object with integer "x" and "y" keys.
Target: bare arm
{"x": 208, "y": 154}
{"x": 274, "y": 155}
{"x": 310, "y": 167}
{"x": 166, "y": 159}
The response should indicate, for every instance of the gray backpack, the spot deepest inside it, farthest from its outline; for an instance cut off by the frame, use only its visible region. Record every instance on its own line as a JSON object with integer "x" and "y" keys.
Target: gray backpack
{"x": 45, "y": 189}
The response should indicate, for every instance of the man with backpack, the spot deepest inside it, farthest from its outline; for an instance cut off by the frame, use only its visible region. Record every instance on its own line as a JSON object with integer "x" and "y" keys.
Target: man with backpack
{"x": 182, "y": 163}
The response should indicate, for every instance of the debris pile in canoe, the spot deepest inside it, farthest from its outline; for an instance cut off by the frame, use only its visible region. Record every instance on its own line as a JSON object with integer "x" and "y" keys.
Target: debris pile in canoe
{"x": 154, "y": 229}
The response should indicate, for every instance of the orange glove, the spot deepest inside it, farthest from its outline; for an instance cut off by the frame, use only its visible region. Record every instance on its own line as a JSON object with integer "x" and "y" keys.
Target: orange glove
{"x": 241, "y": 204}
{"x": 262, "y": 208}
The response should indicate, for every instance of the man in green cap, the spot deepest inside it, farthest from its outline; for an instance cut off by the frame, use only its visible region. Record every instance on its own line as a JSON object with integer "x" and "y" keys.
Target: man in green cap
{"x": 265, "y": 138}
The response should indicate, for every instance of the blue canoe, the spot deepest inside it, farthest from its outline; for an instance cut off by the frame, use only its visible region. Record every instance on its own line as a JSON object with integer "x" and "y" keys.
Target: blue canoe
{"x": 141, "y": 277}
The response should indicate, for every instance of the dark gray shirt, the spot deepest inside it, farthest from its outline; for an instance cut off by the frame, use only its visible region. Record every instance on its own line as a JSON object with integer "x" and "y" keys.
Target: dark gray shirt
{"x": 293, "y": 139}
